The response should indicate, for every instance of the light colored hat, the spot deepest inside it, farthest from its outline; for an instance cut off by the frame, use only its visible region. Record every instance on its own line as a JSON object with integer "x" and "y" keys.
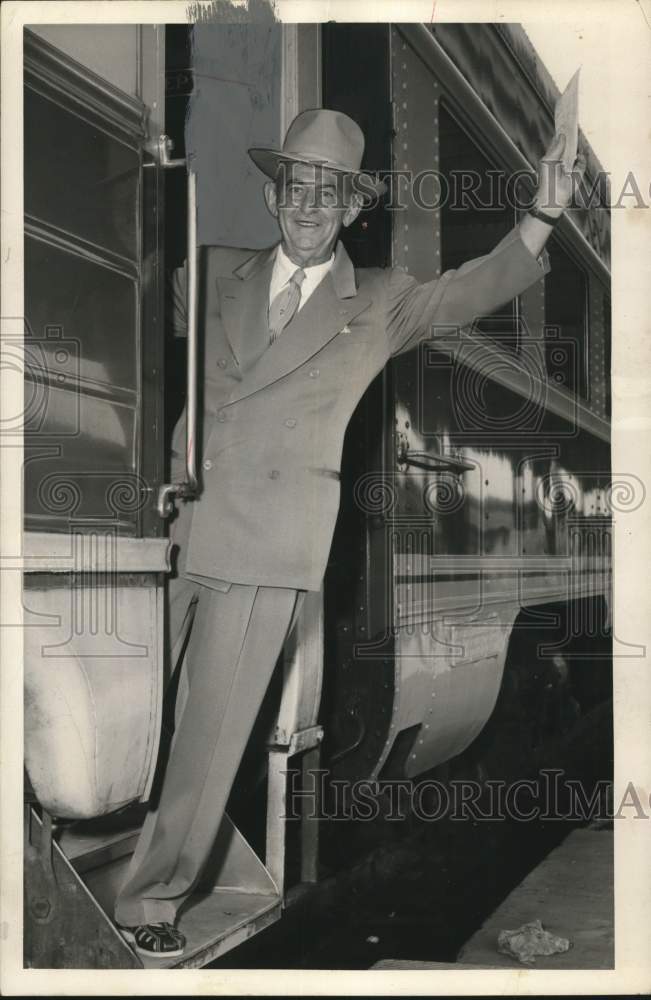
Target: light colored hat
{"x": 324, "y": 138}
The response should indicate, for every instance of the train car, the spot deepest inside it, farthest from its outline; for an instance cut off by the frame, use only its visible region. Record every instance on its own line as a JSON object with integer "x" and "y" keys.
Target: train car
{"x": 472, "y": 553}
{"x": 486, "y": 492}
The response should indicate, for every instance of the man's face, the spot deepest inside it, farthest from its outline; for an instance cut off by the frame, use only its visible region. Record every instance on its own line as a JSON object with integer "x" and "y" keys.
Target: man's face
{"x": 311, "y": 205}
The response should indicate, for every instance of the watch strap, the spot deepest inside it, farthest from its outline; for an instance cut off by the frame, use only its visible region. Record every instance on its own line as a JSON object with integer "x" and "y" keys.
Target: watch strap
{"x": 538, "y": 213}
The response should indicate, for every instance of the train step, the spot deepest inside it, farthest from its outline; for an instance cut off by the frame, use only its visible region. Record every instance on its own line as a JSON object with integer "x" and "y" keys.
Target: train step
{"x": 71, "y": 882}
{"x": 571, "y": 892}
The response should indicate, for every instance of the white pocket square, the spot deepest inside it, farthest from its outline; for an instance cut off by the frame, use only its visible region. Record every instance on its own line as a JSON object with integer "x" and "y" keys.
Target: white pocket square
{"x": 345, "y": 329}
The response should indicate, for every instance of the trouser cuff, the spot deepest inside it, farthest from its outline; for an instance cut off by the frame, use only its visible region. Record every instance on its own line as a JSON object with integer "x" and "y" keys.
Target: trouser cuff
{"x": 149, "y": 911}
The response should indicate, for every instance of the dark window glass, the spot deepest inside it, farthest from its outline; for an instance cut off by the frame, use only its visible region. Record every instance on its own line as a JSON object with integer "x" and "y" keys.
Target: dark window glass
{"x": 475, "y": 215}
{"x": 607, "y": 353}
{"x": 79, "y": 458}
{"x": 92, "y": 308}
{"x": 83, "y": 404}
{"x": 80, "y": 179}
{"x": 354, "y": 54}
{"x": 80, "y": 388}
{"x": 565, "y": 322}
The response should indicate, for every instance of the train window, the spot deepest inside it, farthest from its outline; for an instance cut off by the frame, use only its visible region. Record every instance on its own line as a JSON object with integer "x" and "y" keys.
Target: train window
{"x": 353, "y": 55}
{"x": 86, "y": 295}
{"x": 607, "y": 354}
{"x": 95, "y": 308}
{"x": 79, "y": 178}
{"x": 82, "y": 465}
{"x": 566, "y": 352}
{"x": 475, "y": 215}
{"x": 81, "y": 388}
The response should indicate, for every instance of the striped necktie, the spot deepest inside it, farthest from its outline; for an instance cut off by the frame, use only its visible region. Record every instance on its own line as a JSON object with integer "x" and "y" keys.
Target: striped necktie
{"x": 283, "y": 308}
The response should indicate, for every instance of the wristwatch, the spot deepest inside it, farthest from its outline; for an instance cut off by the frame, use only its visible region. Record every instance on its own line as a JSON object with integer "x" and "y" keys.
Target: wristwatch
{"x": 537, "y": 213}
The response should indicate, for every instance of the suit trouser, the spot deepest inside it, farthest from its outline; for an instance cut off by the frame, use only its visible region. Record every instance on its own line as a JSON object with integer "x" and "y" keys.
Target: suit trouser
{"x": 235, "y": 638}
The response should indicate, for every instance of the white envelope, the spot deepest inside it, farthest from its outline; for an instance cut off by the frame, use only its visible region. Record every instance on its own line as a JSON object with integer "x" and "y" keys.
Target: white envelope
{"x": 566, "y": 120}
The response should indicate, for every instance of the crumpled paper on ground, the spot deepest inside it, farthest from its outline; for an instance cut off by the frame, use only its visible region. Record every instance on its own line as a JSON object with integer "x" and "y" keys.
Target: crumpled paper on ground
{"x": 530, "y": 940}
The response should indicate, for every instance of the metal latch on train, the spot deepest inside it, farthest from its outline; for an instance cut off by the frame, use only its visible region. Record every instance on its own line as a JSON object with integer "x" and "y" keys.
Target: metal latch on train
{"x": 431, "y": 461}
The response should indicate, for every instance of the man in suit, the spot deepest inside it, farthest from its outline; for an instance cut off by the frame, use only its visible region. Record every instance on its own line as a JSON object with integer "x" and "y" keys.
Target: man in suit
{"x": 293, "y": 335}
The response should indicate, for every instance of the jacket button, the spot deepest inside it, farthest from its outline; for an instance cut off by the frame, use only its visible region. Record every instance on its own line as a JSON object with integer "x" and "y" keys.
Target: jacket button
{"x": 274, "y": 474}
{"x": 207, "y": 464}
{"x": 222, "y": 362}
{"x": 221, "y": 416}
{"x": 290, "y": 422}
{"x": 315, "y": 373}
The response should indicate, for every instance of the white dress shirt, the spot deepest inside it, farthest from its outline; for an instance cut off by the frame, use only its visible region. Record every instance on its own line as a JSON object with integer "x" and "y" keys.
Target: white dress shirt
{"x": 284, "y": 268}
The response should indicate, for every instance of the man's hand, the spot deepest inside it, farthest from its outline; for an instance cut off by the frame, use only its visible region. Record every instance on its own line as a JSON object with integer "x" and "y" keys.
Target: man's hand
{"x": 554, "y": 194}
{"x": 555, "y": 184}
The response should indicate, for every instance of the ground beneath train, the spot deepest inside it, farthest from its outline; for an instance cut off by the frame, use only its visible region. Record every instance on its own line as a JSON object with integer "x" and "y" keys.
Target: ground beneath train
{"x": 419, "y": 889}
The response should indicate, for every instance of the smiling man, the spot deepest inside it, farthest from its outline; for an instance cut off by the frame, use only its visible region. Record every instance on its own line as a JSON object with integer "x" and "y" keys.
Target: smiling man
{"x": 311, "y": 204}
{"x": 293, "y": 335}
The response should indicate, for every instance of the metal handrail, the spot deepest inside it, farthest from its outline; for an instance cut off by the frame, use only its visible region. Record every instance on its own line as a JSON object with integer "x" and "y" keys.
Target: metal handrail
{"x": 188, "y": 489}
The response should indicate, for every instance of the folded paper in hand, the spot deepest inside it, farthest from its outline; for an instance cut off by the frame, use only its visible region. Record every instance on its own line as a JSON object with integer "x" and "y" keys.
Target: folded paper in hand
{"x": 566, "y": 120}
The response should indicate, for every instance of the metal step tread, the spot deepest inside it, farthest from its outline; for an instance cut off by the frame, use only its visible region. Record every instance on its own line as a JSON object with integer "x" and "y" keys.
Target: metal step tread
{"x": 236, "y": 900}
{"x": 217, "y": 921}
{"x": 87, "y": 850}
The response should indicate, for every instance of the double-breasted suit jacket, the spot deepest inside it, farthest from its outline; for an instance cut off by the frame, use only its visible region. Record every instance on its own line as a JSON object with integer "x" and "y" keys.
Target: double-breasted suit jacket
{"x": 274, "y": 416}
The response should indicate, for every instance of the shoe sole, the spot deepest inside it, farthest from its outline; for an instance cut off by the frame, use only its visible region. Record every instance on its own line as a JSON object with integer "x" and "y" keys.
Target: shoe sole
{"x": 130, "y": 938}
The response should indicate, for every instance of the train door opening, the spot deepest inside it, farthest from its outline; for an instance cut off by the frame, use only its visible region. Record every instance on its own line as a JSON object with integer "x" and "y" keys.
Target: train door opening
{"x": 111, "y": 239}
{"x": 99, "y": 416}
{"x": 96, "y": 555}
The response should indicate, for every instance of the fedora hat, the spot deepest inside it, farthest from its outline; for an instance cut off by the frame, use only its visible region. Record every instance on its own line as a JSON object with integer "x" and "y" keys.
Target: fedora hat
{"x": 322, "y": 138}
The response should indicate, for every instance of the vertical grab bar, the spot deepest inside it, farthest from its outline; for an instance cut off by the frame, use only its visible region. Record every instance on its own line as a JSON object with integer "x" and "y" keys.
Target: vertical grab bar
{"x": 189, "y": 489}
{"x": 191, "y": 398}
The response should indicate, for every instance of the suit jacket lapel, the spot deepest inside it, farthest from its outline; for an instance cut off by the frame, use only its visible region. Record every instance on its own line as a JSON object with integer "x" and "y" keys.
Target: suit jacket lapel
{"x": 244, "y": 299}
{"x": 332, "y": 305}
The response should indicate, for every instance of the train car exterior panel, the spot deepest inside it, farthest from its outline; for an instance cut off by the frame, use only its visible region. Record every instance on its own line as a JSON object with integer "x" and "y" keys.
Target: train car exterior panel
{"x": 482, "y": 498}
{"x": 94, "y": 581}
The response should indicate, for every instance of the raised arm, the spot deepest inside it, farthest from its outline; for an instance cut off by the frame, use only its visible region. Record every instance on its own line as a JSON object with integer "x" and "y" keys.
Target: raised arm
{"x": 553, "y": 195}
{"x": 483, "y": 284}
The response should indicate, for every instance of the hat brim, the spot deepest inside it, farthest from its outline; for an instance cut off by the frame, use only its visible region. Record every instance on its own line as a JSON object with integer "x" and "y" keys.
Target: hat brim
{"x": 268, "y": 160}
